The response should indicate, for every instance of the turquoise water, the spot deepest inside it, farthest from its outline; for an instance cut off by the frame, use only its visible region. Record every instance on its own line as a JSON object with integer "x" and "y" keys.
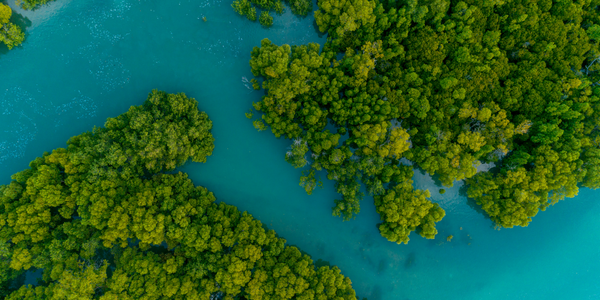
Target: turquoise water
{"x": 84, "y": 61}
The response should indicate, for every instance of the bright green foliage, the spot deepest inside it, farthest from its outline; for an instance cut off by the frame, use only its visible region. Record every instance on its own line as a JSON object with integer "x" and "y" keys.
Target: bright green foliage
{"x": 248, "y": 8}
{"x": 5, "y": 13}
{"x": 304, "y": 94}
{"x": 32, "y": 4}
{"x": 297, "y": 155}
{"x": 309, "y": 181}
{"x": 101, "y": 165}
{"x": 10, "y": 34}
{"x": 403, "y": 210}
{"x": 340, "y": 19}
{"x": 270, "y": 60}
{"x": 265, "y": 19}
{"x": 594, "y": 32}
{"x": 243, "y": 7}
{"x": 447, "y": 85}
{"x": 104, "y": 221}
{"x": 300, "y": 7}
{"x": 81, "y": 283}
{"x": 160, "y": 135}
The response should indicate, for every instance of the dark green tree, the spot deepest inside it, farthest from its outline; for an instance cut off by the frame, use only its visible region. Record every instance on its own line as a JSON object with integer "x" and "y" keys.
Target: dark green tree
{"x": 445, "y": 86}
{"x": 104, "y": 220}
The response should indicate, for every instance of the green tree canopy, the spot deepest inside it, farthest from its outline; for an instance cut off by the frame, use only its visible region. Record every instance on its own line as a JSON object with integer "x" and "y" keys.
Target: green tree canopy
{"x": 248, "y": 8}
{"x": 10, "y": 34}
{"x": 445, "y": 86}
{"x": 32, "y": 4}
{"x": 104, "y": 220}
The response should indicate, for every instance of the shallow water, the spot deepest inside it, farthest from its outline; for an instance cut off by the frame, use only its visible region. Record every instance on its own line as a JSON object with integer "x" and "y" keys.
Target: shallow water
{"x": 84, "y": 61}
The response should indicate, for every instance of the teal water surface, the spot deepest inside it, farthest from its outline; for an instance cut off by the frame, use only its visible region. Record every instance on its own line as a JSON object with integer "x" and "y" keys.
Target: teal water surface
{"x": 84, "y": 61}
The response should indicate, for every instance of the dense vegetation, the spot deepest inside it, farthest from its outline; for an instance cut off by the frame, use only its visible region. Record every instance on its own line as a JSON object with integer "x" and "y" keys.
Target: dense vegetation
{"x": 104, "y": 220}
{"x": 442, "y": 86}
{"x": 10, "y": 34}
{"x": 32, "y": 4}
{"x": 248, "y": 9}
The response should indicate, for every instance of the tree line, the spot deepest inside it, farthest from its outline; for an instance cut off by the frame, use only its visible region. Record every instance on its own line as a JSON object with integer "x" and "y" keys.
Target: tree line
{"x": 248, "y": 8}
{"x": 104, "y": 218}
{"x": 442, "y": 86}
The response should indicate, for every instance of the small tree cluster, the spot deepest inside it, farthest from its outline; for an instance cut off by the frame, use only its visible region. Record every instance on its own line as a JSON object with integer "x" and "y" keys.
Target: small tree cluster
{"x": 248, "y": 8}
{"x": 10, "y": 34}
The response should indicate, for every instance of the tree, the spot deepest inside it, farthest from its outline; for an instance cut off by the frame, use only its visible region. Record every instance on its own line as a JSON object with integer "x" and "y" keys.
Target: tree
{"x": 404, "y": 210}
{"x": 32, "y": 4}
{"x": 10, "y": 34}
{"x": 265, "y": 19}
{"x": 445, "y": 86}
{"x": 108, "y": 197}
{"x": 248, "y": 8}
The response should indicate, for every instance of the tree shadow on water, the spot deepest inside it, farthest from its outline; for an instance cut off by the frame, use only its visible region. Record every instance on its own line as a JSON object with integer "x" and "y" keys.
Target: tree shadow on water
{"x": 410, "y": 260}
{"x": 3, "y": 49}
{"x": 436, "y": 177}
{"x": 383, "y": 265}
{"x": 322, "y": 263}
{"x": 20, "y": 20}
{"x": 316, "y": 27}
{"x": 462, "y": 191}
{"x": 19, "y": 281}
{"x": 375, "y": 293}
